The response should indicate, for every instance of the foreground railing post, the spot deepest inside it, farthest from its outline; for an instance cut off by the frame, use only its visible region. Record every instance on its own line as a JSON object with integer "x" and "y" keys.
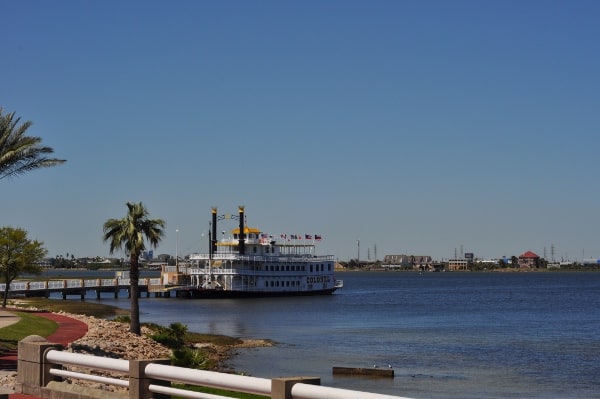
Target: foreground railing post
{"x": 138, "y": 382}
{"x": 281, "y": 388}
{"x": 33, "y": 371}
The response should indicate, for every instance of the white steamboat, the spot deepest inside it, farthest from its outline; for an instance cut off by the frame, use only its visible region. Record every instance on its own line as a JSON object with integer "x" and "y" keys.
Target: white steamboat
{"x": 249, "y": 263}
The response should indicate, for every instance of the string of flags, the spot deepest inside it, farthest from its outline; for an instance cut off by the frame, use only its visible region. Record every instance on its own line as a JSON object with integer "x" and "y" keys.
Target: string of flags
{"x": 315, "y": 237}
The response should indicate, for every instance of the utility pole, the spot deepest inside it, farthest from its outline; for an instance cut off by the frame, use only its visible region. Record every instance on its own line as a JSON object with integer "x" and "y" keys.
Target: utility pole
{"x": 177, "y": 252}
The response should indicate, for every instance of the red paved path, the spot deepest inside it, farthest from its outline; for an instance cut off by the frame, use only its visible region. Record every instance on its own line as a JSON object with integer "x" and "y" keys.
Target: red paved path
{"x": 68, "y": 330}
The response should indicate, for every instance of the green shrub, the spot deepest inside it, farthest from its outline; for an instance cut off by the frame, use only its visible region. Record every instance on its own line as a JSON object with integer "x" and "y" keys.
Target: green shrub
{"x": 189, "y": 358}
{"x": 123, "y": 319}
{"x": 172, "y": 337}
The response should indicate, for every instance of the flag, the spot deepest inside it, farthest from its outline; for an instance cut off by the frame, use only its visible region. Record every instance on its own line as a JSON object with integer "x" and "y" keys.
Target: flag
{"x": 308, "y": 236}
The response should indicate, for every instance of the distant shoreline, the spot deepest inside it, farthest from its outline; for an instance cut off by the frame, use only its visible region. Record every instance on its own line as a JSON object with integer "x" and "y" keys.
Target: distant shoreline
{"x": 498, "y": 270}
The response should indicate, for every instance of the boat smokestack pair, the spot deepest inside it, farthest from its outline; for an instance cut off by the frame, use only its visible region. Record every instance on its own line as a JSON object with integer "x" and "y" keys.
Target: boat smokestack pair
{"x": 213, "y": 239}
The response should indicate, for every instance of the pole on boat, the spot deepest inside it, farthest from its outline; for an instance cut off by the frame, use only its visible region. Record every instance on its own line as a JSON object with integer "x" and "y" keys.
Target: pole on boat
{"x": 242, "y": 240}
{"x": 213, "y": 240}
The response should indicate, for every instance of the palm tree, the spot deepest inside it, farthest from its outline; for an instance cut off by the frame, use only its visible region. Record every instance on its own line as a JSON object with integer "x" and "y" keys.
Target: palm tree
{"x": 129, "y": 234}
{"x": 20, "y": 153}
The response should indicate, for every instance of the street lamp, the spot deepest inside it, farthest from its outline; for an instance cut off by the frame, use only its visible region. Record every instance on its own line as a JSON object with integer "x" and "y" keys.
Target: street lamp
{"x": 176, "y": 251}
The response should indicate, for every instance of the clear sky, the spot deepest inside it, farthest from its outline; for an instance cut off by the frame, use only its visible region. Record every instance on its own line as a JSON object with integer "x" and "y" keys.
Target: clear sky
{"x": 416, "y": 127}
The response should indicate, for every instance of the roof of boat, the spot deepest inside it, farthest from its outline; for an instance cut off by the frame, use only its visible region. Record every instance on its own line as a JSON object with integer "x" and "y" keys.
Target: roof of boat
{"x": 246, "y": 230}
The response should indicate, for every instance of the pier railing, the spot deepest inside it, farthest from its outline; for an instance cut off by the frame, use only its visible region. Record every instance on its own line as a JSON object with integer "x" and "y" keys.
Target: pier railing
{"x": 76, "y": 286}
{"x": 43, "y": 368}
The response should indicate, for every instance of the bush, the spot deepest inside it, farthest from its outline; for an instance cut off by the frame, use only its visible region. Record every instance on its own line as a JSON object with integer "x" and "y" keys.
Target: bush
{"x": 172, "y": 337}
{"x": 122, "y": 319}
{"x": 189, "y": 358}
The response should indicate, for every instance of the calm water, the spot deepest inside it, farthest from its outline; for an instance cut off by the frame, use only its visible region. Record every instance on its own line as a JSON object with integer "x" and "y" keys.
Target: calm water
{"x": 447, "y": 335}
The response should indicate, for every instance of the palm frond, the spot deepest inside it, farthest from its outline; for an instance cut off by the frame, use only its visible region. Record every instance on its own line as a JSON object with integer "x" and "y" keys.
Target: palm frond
{"x": 19, "y": 153}
{"x": 131, "y": 232}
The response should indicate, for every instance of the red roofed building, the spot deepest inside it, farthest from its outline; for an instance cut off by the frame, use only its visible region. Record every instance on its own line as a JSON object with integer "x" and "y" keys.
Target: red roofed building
{"x": 529, "y": 259}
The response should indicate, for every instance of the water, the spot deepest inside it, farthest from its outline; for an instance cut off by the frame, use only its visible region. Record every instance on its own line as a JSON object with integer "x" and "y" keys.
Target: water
{"x": 447, "y": 335}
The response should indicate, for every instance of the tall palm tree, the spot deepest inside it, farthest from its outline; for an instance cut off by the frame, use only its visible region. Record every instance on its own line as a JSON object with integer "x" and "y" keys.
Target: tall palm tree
{"x": 129, "y": 234}
{"x": 20, "y": 153}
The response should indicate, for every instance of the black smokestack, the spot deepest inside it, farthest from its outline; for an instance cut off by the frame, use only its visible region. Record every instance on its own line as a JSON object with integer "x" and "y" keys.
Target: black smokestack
{"x": 242, "y": 242}
{"x": 213, "y": 239}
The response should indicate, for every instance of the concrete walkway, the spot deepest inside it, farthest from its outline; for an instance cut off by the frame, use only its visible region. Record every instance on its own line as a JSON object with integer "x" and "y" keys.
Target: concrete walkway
{"x": 68, "y": 330}
{"x": 7, "y": 318}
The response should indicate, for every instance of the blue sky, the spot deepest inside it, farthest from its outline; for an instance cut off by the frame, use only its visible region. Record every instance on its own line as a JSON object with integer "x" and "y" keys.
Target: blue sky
{"x": 417, "y": 127}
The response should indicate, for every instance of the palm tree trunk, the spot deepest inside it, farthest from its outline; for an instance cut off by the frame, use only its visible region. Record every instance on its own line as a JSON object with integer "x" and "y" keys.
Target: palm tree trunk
{"x": 134, "y": 277}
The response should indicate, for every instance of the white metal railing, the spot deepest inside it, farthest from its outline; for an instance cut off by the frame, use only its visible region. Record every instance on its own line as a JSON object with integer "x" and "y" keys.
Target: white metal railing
{"x": 308, "y": 391}
{"x": 231, "y": 382}
{"x": 94, "y": 362}
{"x": 21, "y": 286}
{"x": 169, "y": 374}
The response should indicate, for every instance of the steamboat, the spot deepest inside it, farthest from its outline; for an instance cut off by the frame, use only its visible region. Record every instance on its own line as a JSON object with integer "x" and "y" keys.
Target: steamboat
{"x": 249, "y": 263}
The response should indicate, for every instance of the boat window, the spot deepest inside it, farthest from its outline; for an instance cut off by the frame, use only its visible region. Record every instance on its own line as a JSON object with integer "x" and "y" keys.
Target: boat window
{"x": 311, "y": 268}
{"x": 254, "y": 249}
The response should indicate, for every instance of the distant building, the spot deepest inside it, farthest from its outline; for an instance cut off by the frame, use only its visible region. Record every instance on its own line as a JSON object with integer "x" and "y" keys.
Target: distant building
{"x": 458, "y": 264}
{"x": 415, "y": 262}
{"x": 591, "y": 262}
{"x": 529, "y": 259}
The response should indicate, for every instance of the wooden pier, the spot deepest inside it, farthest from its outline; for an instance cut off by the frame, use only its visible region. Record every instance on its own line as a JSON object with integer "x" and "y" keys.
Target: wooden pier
{"x": 82, "y": 287}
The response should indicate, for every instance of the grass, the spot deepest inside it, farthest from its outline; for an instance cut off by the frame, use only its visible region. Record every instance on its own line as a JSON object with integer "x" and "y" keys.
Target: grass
{"x": 29, "y": 324}
{"x": 220, "y": 392}
{"x": 221, "y": 340}
{"x": 97, "y": 310}
{"x": 32, "y": 324}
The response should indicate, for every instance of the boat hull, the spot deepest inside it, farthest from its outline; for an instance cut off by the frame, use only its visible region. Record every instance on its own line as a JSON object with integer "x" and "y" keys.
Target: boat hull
{"x": 201, "y": 293}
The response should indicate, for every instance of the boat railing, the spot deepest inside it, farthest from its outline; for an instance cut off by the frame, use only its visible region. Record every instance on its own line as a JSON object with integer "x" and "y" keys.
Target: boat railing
{"x": 217, "y": 256}
{"x": 212, "y": 270}
{"x": 245, "y": 271}
{"x": 263, "y": 258}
